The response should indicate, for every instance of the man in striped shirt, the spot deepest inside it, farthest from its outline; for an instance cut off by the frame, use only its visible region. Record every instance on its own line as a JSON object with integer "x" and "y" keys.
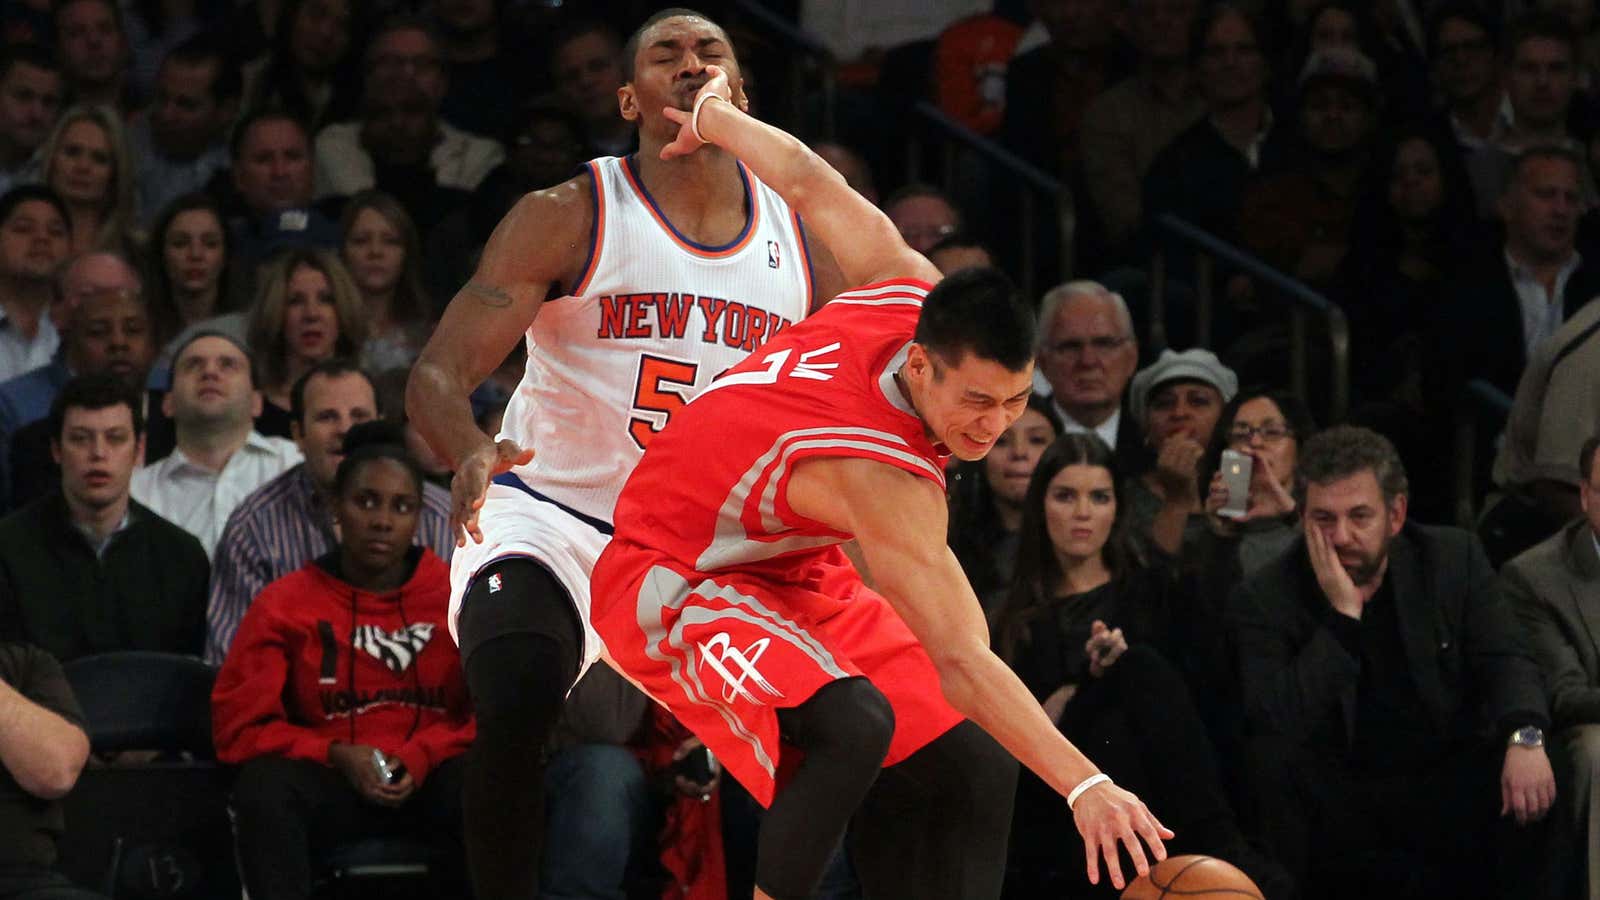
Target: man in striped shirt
{"x": 287, "y": 521}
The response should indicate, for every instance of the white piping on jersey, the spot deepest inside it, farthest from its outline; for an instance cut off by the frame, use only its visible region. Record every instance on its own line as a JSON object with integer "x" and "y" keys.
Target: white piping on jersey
{"x": 892, "y": 294}
{"x": 889, "y": 388}
{"x": 664, "y": 589}
{"x": 731, "y": 543}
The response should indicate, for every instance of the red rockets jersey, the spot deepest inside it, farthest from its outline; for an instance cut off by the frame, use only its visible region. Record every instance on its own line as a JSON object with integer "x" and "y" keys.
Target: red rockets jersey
{"x": 710, "y": 491}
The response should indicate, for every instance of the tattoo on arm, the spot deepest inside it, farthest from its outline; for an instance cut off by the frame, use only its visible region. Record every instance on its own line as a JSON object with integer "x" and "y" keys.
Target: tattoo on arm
{"x": 487, "y": 295}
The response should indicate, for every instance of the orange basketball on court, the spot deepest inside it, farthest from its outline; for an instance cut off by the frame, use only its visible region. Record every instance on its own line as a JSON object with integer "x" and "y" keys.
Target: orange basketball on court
{"x": 1193, "y": 878}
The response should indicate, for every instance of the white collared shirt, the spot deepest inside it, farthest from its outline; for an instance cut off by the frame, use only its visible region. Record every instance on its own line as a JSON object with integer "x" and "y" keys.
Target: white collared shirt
{"x": 1542, "y": 311}
{"x": 18, "y": 355}
{"x": 199, "y": 500}
{"x": 1107, "y": 430}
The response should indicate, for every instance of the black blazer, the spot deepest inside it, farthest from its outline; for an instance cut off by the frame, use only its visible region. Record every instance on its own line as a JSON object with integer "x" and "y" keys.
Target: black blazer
{"x": 1466, "y": 650}
{"x": 1480, "y": 321}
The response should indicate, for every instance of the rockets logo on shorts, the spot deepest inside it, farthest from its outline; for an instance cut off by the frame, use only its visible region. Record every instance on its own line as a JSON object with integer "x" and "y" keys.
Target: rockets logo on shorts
{"x": 724, "y": 659}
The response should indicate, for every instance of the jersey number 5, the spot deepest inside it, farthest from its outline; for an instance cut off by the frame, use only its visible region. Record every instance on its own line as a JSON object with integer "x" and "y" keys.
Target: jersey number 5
{"x": 662, "y": 389}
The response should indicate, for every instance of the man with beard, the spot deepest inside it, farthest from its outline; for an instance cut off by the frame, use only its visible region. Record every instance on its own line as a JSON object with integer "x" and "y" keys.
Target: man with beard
{"x": 219, "y": 458}
{"x": 1395, "y": 714}
{"x": 86, "y": 569}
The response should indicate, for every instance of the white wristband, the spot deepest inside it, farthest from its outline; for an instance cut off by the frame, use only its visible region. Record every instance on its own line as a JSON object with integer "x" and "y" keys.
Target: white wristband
{"x": 694, "y": 120}
{"x": 1084, "y": 785}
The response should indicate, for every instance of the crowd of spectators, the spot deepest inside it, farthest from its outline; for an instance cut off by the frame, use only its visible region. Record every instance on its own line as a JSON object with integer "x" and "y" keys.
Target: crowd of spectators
{"x": 227, "y": 230}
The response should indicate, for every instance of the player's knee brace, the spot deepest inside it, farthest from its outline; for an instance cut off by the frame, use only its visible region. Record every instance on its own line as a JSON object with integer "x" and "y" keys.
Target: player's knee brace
{"x": 521, "y": 645}
{"x": 849, "y": 722}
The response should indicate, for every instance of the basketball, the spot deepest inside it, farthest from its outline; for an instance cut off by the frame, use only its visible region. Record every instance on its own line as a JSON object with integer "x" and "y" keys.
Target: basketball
{"x": 1193, "y": 878}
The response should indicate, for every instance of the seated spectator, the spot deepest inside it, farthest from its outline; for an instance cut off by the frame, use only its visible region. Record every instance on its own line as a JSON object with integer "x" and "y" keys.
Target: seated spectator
{"x": 485, "y": 75}
{"x": 33, "y": 241}
{"x": 109, "y": 333}
{"x": 1412, "y": 222}
{"x": 1201, "y": 175}
{"x": 188, "y": 264}
{"x": 587, "y": 65}
{"x": 383, "y": 255}
{"x": 1541, "y": 79}
{"x": 1297, "y": 217}
{"x": 154, "y": 29}
{"x": 87, "y": 164}
{"x": 1505, "y": 304}
{"x": 379, "y": 750}
{"x": 1396, "y": 715}
{"x": 92, "y": 44}
{"x": 960, "y": 251}
{"x": 986, "y": 501}
{"x": 181, "y": 141}
{"x": 1466, "y": 74}
{"x": 30, "y": 100}
{"x": 405, "y": 83}
{"x": 306, "y": 311}
{"x": 85, "y": 569}
{"x": 1093, "y": 635}
{"x": 219, "y": 458}
{"x": 923, "y": 214}
{"x": 307, "y": 74}
{"x": 1087, "y": 355}
{"x": 288, "y": 521}
{"x": 1552, "y": 587}
{"x": 852, "y": 166}
{"x": 1178, "y": 399}
{"x": 1127, "y": 124}
{"x": 42, "y": 751}
{"x": 271, "y": 166}
{"x": 1048, "y": 88}
{"x": 1269, "y": 427}
{"x": 1537, "y": 471}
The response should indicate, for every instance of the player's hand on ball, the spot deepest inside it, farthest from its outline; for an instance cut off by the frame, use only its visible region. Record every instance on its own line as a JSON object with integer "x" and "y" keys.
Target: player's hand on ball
{"x": 1106, "y": 814}
{"x": 687, "y": 141}
{"x": 472, "y": 480}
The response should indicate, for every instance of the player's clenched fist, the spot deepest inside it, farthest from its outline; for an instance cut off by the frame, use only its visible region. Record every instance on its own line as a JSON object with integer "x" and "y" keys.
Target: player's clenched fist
{"x": 1107, "y": 814}
{"x": 473, "y": 473}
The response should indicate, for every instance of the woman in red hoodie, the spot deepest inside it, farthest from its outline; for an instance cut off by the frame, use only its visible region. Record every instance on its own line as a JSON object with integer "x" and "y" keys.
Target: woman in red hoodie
{"x": 342, "y": 698}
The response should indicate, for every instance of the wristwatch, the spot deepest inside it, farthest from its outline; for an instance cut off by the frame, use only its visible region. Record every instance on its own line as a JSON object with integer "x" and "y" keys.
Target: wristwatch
{"x": 1527, "y": 736}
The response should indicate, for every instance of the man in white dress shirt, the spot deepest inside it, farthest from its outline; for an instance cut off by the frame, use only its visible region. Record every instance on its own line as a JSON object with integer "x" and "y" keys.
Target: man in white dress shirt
{"x": 219, "y": 459}
{"x": 33, "y": 242}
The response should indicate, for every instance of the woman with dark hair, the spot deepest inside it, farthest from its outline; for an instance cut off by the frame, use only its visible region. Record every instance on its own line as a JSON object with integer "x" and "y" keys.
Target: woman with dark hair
{"x": 308, "y": 72}
{"x": 1414, "y": 219}
{"x": 342, "y": 697}
{"x": 307, "y": 310}
{"x": 986, "y": 500}
{"x": 381, "y": 249}
{"x": 1093, "y": 635}
{"x": 186, "y": 272}
{"x": 1269, "y": 427}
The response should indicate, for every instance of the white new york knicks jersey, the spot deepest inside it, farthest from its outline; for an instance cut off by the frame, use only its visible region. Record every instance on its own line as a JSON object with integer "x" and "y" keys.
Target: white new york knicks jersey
{"x": 653, "y": 319}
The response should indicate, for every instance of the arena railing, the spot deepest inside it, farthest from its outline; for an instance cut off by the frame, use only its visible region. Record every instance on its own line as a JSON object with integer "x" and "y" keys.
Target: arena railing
{"x": 1303, "y": 304}
{"x": 1039, "y": 193}
{"x": 1480, "y": 404}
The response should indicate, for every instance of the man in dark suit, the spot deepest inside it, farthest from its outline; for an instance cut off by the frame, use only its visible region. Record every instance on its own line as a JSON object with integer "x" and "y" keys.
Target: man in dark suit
{"x": 1388, "y": 692}
{"x": 1500, "y": 309}
{"x": 1555, "y": 589}
{"x": 1087, "y": 354}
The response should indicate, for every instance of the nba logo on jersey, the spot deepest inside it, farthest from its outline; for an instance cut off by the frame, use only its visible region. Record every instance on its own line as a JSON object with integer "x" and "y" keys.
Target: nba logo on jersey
{"x": 772, "y": 254}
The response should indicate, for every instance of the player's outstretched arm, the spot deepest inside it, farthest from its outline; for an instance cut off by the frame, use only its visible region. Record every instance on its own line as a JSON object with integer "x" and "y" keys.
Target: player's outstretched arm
{"x": 534, "y": 246}
{"x": 865, "y": 243}
{"x": 900, "y": 521}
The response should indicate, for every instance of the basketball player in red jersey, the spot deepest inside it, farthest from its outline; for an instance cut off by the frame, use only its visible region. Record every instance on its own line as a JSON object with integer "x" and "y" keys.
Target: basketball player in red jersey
{"x": 636, "y": 283}
{"x": 725, "y": 595}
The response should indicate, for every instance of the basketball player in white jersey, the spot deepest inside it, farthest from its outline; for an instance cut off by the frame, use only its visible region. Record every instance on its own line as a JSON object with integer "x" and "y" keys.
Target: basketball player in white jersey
{"x": 635, "y": 284}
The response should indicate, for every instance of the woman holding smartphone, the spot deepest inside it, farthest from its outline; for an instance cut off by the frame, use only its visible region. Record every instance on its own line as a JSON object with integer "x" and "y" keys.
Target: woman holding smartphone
{"x": 342, "y": 697}
{"x": 1095, "y": 636}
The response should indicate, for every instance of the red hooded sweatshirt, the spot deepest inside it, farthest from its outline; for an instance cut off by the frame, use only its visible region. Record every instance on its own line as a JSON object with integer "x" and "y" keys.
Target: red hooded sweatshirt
{"x": 317, "y": 660}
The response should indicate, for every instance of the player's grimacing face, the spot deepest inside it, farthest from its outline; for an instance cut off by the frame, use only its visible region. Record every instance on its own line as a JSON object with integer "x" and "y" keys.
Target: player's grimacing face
{"x": 969, "y": 405}
{"x": 670, "y": 68}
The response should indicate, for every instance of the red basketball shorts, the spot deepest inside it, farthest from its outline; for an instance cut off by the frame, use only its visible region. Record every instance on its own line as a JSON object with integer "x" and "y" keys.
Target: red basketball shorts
{"x": 724, "y": 651}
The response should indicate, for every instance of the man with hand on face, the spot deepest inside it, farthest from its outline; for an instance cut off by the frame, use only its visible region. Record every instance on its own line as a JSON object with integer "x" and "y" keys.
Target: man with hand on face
{"x": 86, "y": 569}
{"x": 1394, "y": 709}
{"x": 288, "y": 521}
